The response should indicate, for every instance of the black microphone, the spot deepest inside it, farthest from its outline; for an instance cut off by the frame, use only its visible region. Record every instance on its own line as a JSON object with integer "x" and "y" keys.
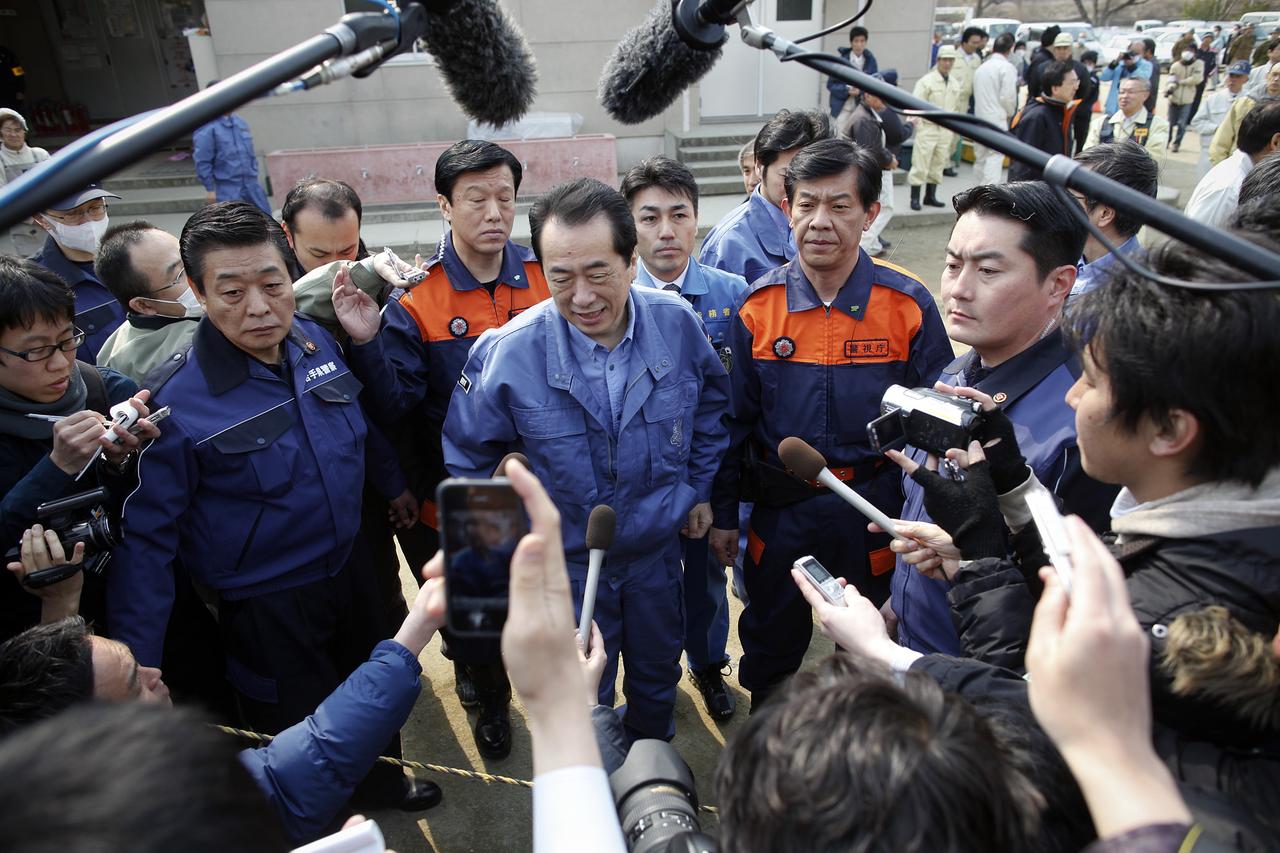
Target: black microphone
{"x": 484, "y": 58}
{"x": 652, "y": 64}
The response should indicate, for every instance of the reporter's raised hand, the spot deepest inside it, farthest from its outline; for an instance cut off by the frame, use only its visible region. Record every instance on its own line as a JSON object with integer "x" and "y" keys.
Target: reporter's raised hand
{"x": 926, "y": 546}
{"x": 592, "y": 662}
{"x": 999, "y": 443}
{"x": 41, "y": 549}
{"x": 355, "y": 309}
{"x": 538, "y": 645}
{"x": 428, "y": 613}
{"x": 1088, "y": 682}
{"x": 858, "y": 626}
{"x": 75, "y": 439}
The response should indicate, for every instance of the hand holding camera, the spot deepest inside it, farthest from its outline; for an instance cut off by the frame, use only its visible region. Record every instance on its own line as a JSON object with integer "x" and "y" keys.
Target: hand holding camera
{"x": 965, "y": 508}
{"x": 44, "y": 570}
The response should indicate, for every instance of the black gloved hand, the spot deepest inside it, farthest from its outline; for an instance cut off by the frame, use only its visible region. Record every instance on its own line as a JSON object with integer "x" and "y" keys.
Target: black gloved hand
{"x": 1008, "y": 465}
{"x": 967, "y": 509}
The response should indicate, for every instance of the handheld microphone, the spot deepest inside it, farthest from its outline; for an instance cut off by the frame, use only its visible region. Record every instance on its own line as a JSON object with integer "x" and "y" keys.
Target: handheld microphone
{"x": 807, "y": 463}
{"x": 501, "y": 470}
{"x": 600, "y": 526}
{"x": 483, "y": 57}
{"x": 652, "y": 65}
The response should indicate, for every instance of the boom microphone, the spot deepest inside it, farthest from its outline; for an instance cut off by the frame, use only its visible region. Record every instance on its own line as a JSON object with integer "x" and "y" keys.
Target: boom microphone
{"x": 600, "y": 526}
{"x": 651, "y": 66}
{"x": 807, "y": 463}
{"x": 484, "y": 59}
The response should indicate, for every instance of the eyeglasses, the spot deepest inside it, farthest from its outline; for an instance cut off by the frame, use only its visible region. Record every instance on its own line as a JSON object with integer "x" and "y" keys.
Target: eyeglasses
{"x": 95, "y": 211}
{"x": 43, "y": 353}
{"x": 176, "y": 279}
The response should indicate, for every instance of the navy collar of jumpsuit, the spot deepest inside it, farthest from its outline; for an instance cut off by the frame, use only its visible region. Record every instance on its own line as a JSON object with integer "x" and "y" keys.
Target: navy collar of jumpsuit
{"x": 225, "y": 366}
{"x": 53, "y": 259}
{"x": 647, "y": 347}
{"x": 852, "y": 298}
{"x": 511, "y": 274}
{"x": 1019, "y": 374}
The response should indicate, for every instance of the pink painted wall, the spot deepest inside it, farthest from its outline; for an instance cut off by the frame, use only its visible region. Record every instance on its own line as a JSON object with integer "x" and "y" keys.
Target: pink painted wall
{"x": 397, "y": 174}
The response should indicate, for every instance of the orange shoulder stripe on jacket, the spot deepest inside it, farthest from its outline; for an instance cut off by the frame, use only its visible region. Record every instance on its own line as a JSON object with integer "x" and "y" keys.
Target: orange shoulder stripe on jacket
{"x": 884, "y": 334}
{"x": 434, "y": 304}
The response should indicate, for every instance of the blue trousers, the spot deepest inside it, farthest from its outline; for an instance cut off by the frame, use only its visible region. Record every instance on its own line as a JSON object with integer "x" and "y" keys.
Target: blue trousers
{"x": 640, "y": 610}
{"x": 248, "y": 190}
{"x": 777, "y": 624}
{"x": 706, "y": 606}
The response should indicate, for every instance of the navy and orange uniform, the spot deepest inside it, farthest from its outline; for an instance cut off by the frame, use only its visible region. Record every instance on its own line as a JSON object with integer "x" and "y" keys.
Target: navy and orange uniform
{"x": 802, "y": 368}
{"x": 415, "y": 361}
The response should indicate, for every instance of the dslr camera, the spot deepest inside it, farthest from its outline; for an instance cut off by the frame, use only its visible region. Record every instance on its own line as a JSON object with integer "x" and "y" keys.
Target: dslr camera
{"x": 657, "y": 802}
{"x": 78, "y": 518}
{"x": 924, "y": 418}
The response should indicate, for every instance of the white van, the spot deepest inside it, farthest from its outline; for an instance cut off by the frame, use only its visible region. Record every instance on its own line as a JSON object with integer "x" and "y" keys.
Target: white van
{"x": 996, "y": 26}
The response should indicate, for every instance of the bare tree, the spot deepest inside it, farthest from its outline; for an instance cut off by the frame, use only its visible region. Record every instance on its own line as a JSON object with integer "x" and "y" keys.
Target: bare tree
{"x": 985, "y": 8}
{"x": 1104, "y": 10}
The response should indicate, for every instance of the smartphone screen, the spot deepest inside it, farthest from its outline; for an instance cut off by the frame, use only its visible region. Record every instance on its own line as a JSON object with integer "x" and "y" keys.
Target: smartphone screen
{"x": 821, "y": 579}
{"x": 481, "y": 522}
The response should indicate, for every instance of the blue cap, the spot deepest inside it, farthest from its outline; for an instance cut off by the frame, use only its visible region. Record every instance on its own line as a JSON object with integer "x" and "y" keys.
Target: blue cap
{"x": 89, "y": 193}
{"x": 1240, "y": 66}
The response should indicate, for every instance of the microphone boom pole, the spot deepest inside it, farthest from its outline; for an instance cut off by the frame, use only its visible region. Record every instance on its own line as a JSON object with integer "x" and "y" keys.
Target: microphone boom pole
{"x": 1058, "y": 169}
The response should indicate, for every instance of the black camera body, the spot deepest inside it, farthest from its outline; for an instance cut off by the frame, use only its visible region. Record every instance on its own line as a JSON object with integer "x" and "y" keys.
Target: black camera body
{"x": 77, "y": 518}
{"x": 924, "y": 418}
{"x": 657, "y": 801}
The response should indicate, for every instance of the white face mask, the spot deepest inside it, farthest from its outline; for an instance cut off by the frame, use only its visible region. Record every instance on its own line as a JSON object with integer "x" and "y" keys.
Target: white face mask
{"x": 83, "y": 237}
{"x": 190, "y": 305}
{"x": 1187, "y": 56}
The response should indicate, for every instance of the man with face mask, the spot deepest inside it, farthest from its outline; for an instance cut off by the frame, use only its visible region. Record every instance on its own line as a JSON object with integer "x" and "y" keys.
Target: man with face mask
{"x": 76, "y": 225}
{"x": 1184, "y": 76}
{"x": 142, "y": 267}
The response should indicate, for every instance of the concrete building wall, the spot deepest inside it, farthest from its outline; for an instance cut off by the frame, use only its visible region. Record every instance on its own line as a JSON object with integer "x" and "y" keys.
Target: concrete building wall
{"x": 570, "y": 38}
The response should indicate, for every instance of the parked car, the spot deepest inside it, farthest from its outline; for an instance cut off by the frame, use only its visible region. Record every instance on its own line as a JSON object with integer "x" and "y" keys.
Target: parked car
{"x": 1081, "y": 31}
{"x": 996, "y": 26}
{"x": 1146, "y": 24}
{"x": 1117, "y": 45}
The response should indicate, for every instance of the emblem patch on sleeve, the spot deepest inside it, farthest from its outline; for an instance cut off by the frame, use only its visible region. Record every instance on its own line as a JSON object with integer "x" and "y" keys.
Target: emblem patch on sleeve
{"x": 464, "y": 382}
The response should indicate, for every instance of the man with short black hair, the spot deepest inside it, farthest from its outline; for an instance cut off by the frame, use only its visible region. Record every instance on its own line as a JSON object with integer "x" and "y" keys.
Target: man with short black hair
{"x": 1149, "y": 54}
{"x": 1127, "y": 163}
{"x": 860, "y": 58}
{"x": 968, "y": 59}
{"x": 663, "y": 195}
{"x": 754, "y": 238}
{"x": 321, "y": 219}
{"x": 267, "y": 438}
{"x": 75, "y": 225}
{"x": 1045, "y": 121}
{"x": 1011, "y": 261}
{"x": 142, "y": 267}
{"x": 815, "y": 344}
{"x": 616, "y": 397}
{"x": 478, "y": 281}
{"x": 1216, "y": 196}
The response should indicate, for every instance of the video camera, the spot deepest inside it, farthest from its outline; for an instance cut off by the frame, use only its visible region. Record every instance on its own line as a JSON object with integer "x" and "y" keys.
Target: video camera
{"x": 657, "y": 802}
{"x": 924, "y": 418}
{"x": 79, "y": 518}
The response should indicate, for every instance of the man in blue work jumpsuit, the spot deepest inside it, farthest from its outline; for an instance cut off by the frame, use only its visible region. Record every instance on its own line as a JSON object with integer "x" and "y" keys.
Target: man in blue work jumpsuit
{"x": 478, "y": 281}
{"x": 255, "y": 486}
{"x": 616, "y": 397}
{"x": 755, "y": 237}
{"x": 225, "y": 162}
{"x": 663, "y": 195}
{"x": 1003, "y": 289}
{"x": 76, "y": 225}
{"x": 815, "y": 344}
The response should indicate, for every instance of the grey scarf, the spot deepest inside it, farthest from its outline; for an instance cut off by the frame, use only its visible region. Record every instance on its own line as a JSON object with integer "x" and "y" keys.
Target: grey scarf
{"x": 1203, "y": 510}
{"x": 13, "y": 409}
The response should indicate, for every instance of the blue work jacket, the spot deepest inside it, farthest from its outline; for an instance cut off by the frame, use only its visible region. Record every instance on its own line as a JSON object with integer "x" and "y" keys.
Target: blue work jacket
{"x": 98, "y": 313}
{"x": 310, "y": 769}
{"x": 1031, "y": 388}
{"x": 1141, "y": 68}
{"x": 800, "y": 368}
{"x": 255, "y": 480}
{"x": 522, "y": 390}
{"x": 752, "y": 240}
{"x": 426, "y": 332}
{"x": 223, "y": 152}
{"x": 713, "y": 294}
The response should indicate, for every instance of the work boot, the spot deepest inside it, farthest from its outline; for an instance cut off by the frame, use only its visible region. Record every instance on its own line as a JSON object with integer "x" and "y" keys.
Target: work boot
{"x": 464, "y": 687}
{"x": 915, "y": 198}
{"x": 493, "y": 724}
{"x": 931, "y": 196}
{"x": 949, "y": 172}
{"x": 716, "y": 696}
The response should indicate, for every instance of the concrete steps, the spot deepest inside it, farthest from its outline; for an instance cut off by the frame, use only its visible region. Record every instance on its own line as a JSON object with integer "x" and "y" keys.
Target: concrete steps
{"x": 711, "y": 153}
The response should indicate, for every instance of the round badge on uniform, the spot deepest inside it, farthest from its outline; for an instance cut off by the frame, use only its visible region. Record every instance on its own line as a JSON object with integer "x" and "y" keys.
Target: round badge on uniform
{"x": 458, "y": 326}
{"x": 784, "y": 347}
{"x": 310, "y": 346}
{"x": 999, "y": 397}
{"x": 726, "y": 358}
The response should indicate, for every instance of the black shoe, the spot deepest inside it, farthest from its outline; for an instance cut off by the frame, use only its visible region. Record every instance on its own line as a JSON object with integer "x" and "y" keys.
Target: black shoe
{"x": 949, "y": 172}
{"x": 884, "y": 244}
{"x": 420, "y": 795}
{"x": 493, "y": 731}
{"x": 931, "y": 196}
{"x": 915, "y": 198}
{"x": 716, "y": 696}
{"x": 464, "y": 686}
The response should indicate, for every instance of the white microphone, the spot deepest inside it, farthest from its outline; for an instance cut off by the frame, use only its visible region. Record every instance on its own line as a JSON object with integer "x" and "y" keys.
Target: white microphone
{"x": 807, "y": 463}
{"x": 600, "y": 527}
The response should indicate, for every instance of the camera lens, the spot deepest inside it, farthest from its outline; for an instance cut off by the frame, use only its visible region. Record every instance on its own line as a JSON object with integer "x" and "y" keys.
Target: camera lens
{"x": 652, "y": 816}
